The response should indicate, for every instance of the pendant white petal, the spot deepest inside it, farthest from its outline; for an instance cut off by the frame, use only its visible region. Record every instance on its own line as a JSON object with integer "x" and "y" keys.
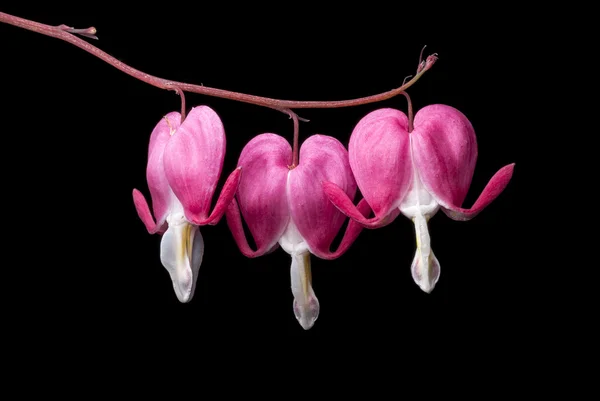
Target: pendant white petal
{"x": 306, "y": 304}
{"x": 419, "y": 206}
{"x": 425, "y": 267}
{"x": 181, "y": 252}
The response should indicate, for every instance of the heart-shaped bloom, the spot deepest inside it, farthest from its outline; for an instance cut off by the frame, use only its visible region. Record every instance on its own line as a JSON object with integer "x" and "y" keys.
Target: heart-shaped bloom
{"x": 415, "y": 173}
{"x": 287, "y": 207}
{"x": 184, "y": 166}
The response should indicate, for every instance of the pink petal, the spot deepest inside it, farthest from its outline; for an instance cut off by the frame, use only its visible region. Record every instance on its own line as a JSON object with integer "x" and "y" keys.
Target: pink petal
{"x": 445, "y": 152}
{"x": 234, "y": 222}
{"x": 379, "y": 152}
{"x": 491, "y": 191}
{"x": 352, "y": 232}
{"x": 158, "y": 184}
{"x": 322, "y": 158}
{"x": 144, "y": 213}
{"x": 159, "y": 138}
{"x": 261, "y": 193}
{"x": 344, "y": 204}
{"x": 225, "y": 198}
{"x": 193, "y": 161}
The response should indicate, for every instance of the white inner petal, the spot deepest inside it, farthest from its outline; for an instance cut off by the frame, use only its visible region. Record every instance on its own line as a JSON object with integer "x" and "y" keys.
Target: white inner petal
{"x": 181, "y": 252}
{"x": 306, "y": 305}
{"x": 425, "y": 267}
{"x": 418, "y": 201}
{"x": 291, "y": 241}
{"x": 419, "y": 206}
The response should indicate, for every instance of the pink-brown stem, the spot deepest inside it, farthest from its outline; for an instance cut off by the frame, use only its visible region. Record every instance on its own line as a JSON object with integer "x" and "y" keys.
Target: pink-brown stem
{"x": 88, "y": 32}
{"x": 182, "y": 96}
{"x": 295, "y": 145}
{"x": 66, "y": 33}
{"x": 410, "y": 113}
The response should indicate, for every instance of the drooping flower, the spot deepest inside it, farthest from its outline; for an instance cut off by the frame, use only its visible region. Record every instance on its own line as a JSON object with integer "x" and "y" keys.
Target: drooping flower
{"x": 287, "y": 207}
{"x": 416, "y": 173}
{"x": 184, "y": 165}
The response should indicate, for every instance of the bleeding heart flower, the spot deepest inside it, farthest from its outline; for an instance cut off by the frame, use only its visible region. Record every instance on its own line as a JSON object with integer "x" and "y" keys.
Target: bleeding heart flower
{"x": 184, "y": 165}
{"x": 287, "y": 206}
{"x": 415, "y": 173}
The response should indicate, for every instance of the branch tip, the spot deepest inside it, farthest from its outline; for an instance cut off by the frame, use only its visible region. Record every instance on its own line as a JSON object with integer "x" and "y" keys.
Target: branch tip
{"x": 181, "y": 94}
{"x": 87, "y": 32}
{"x": 431, "y": 61}
{"x": 421, "y": 55}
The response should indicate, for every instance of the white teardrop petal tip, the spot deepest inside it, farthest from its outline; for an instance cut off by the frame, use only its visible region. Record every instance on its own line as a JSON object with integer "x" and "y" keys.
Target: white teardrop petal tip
{"x": 425, "y": 274}
{"x": 307, "y": 313}
{"x": 306, "y": 305}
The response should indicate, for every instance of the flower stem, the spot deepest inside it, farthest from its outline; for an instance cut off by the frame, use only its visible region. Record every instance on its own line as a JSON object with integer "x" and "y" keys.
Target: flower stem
{"x": 67, "y": 34}
{"x": 182, "y": 96}
{"x": 295, "y": 145}
{"x": 410, "y": 113}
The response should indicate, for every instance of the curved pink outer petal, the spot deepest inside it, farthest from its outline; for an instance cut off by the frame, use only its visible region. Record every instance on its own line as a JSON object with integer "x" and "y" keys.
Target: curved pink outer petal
{"x": 445, "y": 154}
{"x": 379, "y": 152}
{"x": 491, "y": 191}
{"x": 322, "y": 158}
{"x": 143, "y": 211}
{"x": 351, "y": 233}
{"x": 261, "y": 194}
{"x": 225, "y": 198}
{"x": 193, "y": 161}
{"x": 158, "y": 184}
{"x": 344, "y": 204}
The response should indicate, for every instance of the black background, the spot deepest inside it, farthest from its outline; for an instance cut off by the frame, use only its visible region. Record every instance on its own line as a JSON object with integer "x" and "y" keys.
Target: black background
{"x": 75, "y": 136}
